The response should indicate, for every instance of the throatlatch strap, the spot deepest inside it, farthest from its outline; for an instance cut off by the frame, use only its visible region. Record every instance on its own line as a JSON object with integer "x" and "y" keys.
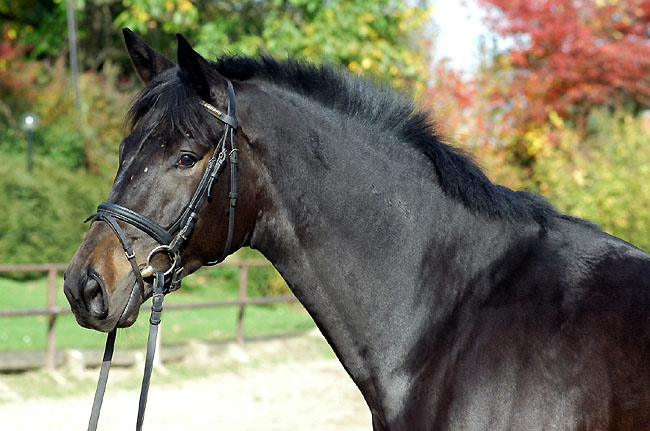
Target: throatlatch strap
{"x": 101, "y": 383}
{"x": 154, "y": 320}
{"x": 232, "y": 195}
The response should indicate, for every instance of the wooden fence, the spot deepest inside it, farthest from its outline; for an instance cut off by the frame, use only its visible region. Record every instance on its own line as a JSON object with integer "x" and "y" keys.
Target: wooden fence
{"x": 52, "y": 310}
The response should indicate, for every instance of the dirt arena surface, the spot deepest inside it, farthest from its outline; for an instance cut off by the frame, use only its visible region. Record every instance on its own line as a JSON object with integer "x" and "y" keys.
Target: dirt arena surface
{"x": 305, "y": 394}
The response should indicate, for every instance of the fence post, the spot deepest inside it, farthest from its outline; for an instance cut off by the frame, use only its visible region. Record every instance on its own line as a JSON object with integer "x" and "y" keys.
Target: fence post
{"x": 50, "y": 356}
{"x": 243, "y": 284}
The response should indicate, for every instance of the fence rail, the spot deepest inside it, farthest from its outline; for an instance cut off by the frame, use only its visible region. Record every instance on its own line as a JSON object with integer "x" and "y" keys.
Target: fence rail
{"x": 52, "y": 310}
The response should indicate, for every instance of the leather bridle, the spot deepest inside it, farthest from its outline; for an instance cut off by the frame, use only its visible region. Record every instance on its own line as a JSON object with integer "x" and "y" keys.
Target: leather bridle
{"x": 170, "y": 241}
{"x": 184, "y": 225}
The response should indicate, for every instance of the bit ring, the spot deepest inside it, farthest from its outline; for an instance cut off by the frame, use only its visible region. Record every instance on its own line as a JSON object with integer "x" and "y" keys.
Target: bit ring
{"x": 173, "y": 258}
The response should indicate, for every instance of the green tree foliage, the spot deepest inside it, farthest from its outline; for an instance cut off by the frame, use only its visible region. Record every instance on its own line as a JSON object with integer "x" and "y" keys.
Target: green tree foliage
{"x": 381, "y": 37}
{"x": 87, "y": 138}
{"x": 38, "y": 24}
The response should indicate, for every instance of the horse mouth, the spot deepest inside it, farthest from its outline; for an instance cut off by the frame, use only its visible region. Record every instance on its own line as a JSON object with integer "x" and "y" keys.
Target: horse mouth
{"x": 130, "y": 313}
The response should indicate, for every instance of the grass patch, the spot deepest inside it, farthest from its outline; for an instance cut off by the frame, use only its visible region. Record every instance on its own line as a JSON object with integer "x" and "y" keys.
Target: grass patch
{"x": 179, "y": 326}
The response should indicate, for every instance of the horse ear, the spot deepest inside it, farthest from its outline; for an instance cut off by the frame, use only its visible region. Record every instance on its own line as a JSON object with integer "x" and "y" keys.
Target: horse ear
{"x": 147, "y": 61}
{"x": 196, "y": 69}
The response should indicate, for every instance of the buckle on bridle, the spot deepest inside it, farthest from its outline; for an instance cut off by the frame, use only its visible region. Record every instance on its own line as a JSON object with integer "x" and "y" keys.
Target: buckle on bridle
{"x": 176, "y": 279}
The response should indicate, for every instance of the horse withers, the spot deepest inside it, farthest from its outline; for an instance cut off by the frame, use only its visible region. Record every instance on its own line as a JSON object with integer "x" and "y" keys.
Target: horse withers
{"x": 453, "y": 303}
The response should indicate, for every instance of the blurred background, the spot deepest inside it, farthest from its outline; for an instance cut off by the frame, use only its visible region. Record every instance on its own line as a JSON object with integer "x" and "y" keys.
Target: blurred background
{"x": 548, "y": 95}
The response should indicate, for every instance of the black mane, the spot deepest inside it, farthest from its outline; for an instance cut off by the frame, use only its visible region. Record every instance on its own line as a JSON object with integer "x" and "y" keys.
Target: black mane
{"x": 460, "y": 178}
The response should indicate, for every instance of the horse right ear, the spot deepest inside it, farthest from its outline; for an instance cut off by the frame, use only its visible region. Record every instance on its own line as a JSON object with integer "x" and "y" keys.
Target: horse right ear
{"x": 147, "y": 61}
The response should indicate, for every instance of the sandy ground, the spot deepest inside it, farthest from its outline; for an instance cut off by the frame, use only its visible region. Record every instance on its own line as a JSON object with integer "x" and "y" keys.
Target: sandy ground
{"x": 314, "y": 394}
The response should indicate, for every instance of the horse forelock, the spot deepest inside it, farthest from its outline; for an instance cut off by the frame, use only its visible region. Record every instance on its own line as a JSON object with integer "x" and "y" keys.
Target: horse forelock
{"x": 169, "y": 99}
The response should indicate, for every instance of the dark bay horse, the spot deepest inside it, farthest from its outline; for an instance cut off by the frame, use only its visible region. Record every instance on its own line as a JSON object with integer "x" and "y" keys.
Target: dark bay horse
{"x": 453, "y": 303}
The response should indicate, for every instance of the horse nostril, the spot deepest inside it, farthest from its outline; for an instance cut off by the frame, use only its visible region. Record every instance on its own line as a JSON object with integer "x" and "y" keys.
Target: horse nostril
{"x": 94, "y": 295}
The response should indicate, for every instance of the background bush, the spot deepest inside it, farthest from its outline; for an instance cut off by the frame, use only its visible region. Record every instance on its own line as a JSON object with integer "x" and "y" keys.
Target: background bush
{"x": 603, "y": 177}
{"x": 43, "y": 211}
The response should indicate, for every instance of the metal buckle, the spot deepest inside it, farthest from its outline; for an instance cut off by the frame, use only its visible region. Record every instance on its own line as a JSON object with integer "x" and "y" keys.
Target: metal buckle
{"x": 176, "y": 279}
{"x": 221, "y": 157}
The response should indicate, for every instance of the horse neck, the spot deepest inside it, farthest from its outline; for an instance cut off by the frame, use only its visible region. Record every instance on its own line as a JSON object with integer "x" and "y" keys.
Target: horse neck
{"x": 363, "y": 235}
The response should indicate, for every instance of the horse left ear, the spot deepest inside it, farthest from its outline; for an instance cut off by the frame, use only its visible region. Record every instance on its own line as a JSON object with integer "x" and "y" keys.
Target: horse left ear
{"x": 198, "y": 71}
{"x": 147, "y": 61}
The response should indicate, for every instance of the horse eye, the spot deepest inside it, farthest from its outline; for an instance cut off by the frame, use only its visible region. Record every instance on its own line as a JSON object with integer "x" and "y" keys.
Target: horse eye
{"x": 186, "y": 160}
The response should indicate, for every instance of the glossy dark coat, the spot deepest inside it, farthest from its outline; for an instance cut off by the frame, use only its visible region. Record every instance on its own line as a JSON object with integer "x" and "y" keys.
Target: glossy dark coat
{"x": 453, "y": 303}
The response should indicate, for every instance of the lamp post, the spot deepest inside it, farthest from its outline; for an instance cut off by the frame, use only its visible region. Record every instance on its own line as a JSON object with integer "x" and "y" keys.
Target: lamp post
{"x": 28, "y": 124}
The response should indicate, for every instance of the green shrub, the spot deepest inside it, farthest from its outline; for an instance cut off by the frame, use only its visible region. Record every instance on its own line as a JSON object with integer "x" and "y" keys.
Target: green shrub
{"x": 603, "y": 178}
{"x": 41, "y": 212}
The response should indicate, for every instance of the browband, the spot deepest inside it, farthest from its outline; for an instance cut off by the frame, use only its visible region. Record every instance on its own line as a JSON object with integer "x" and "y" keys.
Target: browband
{"x": 228, "y": 119}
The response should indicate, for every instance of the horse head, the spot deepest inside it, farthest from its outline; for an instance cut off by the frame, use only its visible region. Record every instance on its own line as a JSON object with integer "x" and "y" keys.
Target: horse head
{"x": 171, "y": 207}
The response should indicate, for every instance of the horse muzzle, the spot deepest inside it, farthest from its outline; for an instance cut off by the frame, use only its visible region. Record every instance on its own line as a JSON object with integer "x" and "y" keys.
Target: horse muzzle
{"x": 95, "y": 306}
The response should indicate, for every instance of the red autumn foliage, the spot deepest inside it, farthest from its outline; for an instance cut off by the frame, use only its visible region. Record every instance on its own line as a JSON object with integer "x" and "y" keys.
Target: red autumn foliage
{"x": 572, "y": 55}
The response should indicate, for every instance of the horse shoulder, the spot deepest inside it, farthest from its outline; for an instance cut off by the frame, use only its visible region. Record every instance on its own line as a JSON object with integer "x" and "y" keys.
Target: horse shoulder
{"x": 560, "y": 338}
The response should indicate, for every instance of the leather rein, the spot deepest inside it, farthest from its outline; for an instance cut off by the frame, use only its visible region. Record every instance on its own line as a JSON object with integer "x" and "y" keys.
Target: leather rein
{"x": 171, "y": 241}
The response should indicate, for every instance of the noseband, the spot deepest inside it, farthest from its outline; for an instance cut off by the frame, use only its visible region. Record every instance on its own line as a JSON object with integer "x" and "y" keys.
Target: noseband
{"x": 170, "y": 242}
